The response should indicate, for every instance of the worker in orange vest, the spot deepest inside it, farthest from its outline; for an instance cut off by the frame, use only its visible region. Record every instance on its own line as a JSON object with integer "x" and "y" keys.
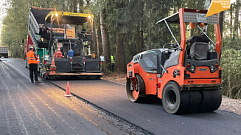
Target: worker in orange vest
{"x": 33, "y": 64}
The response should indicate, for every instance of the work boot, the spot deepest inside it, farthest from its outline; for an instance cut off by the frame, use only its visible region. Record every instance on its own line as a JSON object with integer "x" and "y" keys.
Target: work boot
{"x": 37, "y": 81}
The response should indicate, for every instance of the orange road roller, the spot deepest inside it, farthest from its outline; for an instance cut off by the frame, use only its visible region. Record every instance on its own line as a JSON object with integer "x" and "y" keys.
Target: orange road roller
{"x": 185, "y": 74}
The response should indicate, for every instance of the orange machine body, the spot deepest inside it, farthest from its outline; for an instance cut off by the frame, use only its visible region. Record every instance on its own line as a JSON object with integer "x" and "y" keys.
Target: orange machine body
{"x": 201, "y": 78}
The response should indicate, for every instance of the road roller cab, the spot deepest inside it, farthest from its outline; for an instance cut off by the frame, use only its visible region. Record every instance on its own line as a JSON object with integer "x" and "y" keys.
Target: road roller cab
{"x": 186, "y": 75}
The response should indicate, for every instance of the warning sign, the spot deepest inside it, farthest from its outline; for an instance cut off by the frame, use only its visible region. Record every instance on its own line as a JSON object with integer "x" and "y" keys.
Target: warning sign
{"x": 218, "y": 6}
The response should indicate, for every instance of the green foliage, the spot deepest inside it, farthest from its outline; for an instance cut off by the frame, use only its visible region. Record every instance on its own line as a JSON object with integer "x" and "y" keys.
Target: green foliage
{"x": 136, "y": 20}
{"x": 230, "y": 43}
{"x": 15, "y": 27}
{"x": 15, "y": 24}
{"x": 231, "y": 67}
{"x": 231, "y": 72}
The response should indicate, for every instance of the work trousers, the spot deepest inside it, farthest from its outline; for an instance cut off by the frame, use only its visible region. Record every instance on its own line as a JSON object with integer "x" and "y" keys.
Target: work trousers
{"x": 33, "y": 69}
{"x": 112, "y": 67}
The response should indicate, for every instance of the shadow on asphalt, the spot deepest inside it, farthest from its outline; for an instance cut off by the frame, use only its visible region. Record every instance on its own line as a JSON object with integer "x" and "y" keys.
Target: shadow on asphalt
{"x": 64, "y": 78}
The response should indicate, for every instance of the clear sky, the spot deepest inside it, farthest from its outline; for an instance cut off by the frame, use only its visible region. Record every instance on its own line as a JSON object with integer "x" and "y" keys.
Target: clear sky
{"x": 232, "y": 1}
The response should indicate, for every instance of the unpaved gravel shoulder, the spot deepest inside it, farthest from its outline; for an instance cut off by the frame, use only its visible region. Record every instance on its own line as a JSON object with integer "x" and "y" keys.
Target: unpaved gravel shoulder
{"x": 228, "y": 104}
{"x": 231, "y": 105}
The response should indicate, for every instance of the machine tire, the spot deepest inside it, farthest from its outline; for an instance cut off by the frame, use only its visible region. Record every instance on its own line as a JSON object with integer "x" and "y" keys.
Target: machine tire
{"x": 173, "y": 100}
{"x": 211, "y": 100}
{"x": 138, "y": 92}
{"x": 52, "y": 77}
{"x": 84, "y": 77}
{"x": 195, "y": 99}
{"x": 96, "y": 77}
{"x": 217, "y": 99}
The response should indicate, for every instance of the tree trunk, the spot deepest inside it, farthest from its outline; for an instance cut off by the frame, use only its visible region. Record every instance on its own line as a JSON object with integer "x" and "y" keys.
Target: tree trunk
{"x": 141, "y": 27}
{"x": 138, "y": 44}
{"x": 221, "y": 16}
{"x": 142, "y": 40}
{"x": 81, "y": 6}
{"x": 63, "y": 5}
{"x": 105, "y": 41}
{"x": 97, "y": 42}
{"x": 70, "y": 6}
{"x": 236, "y": 21}
{"x": 231, "y": 22}
{"x": 88, "y": 4}
{"x": 120, "y": 52}
{"x": 47, "y": 4}
{"x": 75, "y": 6}
{"x": 207, "y": 4}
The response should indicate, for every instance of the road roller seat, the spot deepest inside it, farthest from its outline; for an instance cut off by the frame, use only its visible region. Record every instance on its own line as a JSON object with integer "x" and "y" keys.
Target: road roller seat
{"x": 199, "y": 51}
{"x": 191, "y": 41}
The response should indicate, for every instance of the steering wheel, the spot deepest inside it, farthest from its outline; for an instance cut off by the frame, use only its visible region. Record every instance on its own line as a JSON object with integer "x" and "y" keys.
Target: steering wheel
{"x": 174, "y": 46}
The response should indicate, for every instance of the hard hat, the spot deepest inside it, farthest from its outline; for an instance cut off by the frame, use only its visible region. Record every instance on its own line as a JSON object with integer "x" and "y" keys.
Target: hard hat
{"x": 31, "y": 47}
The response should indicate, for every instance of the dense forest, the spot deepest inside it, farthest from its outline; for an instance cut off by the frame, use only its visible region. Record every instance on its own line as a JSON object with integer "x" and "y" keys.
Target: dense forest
{"x": 124, "y": 28}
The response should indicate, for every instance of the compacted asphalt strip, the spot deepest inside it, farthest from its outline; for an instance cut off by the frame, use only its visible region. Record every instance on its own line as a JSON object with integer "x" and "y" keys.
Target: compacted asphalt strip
{"x": 27, "y": 108}
{"x": 149, "y": 116}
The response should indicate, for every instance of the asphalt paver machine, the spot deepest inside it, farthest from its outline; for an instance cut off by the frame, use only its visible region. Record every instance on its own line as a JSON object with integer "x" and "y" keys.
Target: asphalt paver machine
{"x": 186, "y": 75}
{"x": 63, "y": 50}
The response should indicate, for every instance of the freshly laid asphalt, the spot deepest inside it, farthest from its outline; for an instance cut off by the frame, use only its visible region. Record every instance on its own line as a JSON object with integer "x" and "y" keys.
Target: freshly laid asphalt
{"x": 42, "y": 109}
{"x": 30, "y": 109}
{"x": 152, "y": 117}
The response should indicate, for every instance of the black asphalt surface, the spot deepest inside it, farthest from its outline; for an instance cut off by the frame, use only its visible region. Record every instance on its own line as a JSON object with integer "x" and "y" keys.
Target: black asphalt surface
{"x": 112, "y": 97}
{"x": 42, "y": 109}
{"x": 152, "y": 117}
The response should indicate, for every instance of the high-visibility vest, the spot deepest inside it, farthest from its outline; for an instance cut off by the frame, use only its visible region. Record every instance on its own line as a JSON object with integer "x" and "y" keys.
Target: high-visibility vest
{"x": 31, "y": 57}
{"x": 112, "y": 59}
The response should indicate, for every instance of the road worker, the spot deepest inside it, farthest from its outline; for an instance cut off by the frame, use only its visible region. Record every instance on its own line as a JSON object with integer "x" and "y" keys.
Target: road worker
{"x": 33, "y": 64}
{"x": 112, "y": 63}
